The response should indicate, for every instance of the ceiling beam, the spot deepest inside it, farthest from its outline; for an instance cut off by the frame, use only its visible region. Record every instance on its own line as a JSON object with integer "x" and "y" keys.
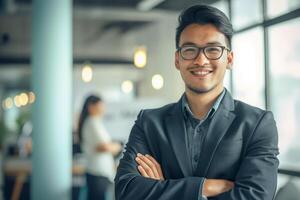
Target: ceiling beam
{"x": 25, "y": 61}
{"x": 102, "y": 13}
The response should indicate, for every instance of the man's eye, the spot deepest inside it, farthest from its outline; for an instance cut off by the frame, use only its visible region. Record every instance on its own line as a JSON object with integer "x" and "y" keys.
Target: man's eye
{"x": 189, "y": 50}
{"x": 213, "y": 49}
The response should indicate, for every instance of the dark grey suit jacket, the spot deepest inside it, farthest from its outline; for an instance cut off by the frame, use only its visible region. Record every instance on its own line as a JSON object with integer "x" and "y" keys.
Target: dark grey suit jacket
{"x": 241, "y": 145}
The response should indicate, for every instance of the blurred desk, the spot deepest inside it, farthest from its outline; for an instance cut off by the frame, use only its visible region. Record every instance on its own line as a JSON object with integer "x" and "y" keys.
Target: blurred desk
{"x": 17, "y": 170}
{"x": 14, "y": 166}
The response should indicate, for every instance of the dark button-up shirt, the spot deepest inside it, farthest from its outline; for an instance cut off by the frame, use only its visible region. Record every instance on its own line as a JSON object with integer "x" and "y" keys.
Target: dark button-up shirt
{"x": 196, "y": 130}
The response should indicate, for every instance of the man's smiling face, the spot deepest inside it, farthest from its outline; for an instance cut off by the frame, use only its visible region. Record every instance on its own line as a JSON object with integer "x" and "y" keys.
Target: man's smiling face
{"x": 201, "y": 74}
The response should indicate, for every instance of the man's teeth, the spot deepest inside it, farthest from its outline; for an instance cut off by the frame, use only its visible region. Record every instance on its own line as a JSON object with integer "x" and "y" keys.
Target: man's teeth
{"x": 201, "y": 72}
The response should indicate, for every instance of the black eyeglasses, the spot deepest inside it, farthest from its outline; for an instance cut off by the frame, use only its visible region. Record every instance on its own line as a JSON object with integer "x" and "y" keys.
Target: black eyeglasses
{"x": 210, "y": 52}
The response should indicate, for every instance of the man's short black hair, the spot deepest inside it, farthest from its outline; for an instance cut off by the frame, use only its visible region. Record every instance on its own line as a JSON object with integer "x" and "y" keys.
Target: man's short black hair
{"x": 204, "y": 14}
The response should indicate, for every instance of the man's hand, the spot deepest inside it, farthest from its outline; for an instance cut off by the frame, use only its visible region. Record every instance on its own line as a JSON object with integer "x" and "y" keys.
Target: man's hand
{"x": 214, "y": 187}
{"x": 149, "y": 167}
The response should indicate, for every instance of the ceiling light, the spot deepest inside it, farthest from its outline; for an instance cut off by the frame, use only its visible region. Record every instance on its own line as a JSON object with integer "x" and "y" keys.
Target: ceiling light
{"x": 9, "y": 103}
{"x": 23, "y": 99}
{"x": 127, "y": 86}
{"x": 157, "y": 81}
{"x": 17, "y": 101}
{"x": 31, "y": 97}
{"x": 140, "y": 57}
{"x": 87, "y": 73}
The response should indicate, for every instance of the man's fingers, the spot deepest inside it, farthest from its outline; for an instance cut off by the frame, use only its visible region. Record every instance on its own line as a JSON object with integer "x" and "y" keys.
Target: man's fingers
{"x": 157, "y": 166}
{"x": 143, "y": 172}
{"x": 145, "y": 167}
{"x": 150, "y": 164}
{"x": 152, "y": 160}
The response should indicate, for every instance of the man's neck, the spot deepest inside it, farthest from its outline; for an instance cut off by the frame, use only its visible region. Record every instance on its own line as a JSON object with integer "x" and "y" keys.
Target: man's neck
{"x": 200, "y": 104}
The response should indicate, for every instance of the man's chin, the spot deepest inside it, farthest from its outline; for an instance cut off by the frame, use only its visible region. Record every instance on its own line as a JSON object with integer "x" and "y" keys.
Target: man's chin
{"x": 199, "y": 90}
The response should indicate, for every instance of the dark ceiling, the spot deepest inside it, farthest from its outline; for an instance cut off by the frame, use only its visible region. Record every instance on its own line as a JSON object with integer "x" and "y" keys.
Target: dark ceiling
{"x": 165, "y": 5}
{"x": 122, "y": 25}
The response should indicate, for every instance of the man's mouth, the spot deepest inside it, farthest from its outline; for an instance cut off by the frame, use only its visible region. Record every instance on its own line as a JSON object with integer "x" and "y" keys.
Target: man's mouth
{"x": 201, "y": 72}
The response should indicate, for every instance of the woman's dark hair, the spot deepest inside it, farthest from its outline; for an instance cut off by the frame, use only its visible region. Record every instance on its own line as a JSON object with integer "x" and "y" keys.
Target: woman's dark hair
{"x": 204, "y": 14}
{"x": 90, "y": 100}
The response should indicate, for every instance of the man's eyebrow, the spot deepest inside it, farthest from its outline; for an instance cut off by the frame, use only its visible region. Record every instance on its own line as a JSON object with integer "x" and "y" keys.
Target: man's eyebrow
{"x": 214, "y": 43}
{"x": 189, "y": 43}
{"x": 209, "y": 43}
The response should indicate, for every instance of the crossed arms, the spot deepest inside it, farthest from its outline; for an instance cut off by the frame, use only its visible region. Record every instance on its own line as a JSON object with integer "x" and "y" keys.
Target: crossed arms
{"x": 150, "y": 168}
{"x": 143, "y": 178}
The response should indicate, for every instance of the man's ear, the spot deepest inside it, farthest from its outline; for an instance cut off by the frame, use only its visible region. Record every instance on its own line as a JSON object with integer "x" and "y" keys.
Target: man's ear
{"x": 229, "y": 60}
{"x": 177, "y": 60}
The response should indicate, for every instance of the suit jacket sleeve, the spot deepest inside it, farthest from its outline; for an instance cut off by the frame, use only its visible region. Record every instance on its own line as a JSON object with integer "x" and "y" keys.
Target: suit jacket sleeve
{"x": 129, "y": 184}
{"x": 257, "y": 175}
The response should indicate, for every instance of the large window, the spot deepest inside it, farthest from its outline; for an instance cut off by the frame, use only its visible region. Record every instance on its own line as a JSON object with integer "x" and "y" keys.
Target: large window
{"x": 284, "y": 47}
{"x": 223, "y": 6}
{"x": 246, "y": 13}
{"x": 279, "y": 7}
{"x": 248, "y": 67}
{"x": 226, "y": 81}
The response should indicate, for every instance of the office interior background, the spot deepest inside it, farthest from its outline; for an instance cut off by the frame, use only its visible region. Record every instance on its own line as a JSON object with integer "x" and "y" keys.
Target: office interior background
{"x": 124, "y": 51}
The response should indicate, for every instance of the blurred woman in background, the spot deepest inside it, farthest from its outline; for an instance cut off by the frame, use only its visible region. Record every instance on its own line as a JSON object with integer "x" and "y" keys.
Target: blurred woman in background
{"x": 98, "y": 148}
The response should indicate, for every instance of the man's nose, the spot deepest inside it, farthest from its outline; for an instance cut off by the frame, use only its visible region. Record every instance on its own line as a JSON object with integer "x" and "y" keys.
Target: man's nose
{"x": 201, "y": 59}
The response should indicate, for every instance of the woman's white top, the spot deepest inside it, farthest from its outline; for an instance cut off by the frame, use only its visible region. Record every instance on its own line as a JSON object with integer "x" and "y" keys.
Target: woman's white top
{"x": 98, "y": 163}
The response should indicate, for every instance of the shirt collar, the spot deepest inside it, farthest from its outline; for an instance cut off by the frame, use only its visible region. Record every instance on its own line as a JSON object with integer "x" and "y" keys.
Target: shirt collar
{"x": 188, "y": 112}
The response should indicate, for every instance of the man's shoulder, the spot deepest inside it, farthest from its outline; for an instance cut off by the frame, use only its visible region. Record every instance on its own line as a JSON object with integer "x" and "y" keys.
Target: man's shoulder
{"x": 160, "y": 111}
{"x": 247, "y": 110}
{"x": 155, "y": 115}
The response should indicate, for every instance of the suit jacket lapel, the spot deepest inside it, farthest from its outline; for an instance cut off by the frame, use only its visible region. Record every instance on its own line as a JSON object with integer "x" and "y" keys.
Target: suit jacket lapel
{"x": 176, "y": 133}
{"x": 219, "y": 125}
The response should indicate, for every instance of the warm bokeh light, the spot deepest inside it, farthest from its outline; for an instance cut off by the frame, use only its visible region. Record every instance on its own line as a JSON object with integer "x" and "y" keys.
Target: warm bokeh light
{"x": 127, "y": 86}
{"x": 87, "y": 73}
{"x": 23, "y": 99}
{"x": 31, "y": 97}
{"x": 17, "y": 101}
{"x": 140, "y": 57}
{"x": 8, "y": 103}
{"x": 157, "y": 81}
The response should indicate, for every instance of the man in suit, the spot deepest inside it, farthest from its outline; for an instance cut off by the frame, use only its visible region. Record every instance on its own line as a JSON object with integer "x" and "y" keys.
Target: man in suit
{"x": 206, "y": 145}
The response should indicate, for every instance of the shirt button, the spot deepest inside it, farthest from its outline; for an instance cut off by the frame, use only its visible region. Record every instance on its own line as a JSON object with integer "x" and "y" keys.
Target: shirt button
{"x": 196, "y": 158}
